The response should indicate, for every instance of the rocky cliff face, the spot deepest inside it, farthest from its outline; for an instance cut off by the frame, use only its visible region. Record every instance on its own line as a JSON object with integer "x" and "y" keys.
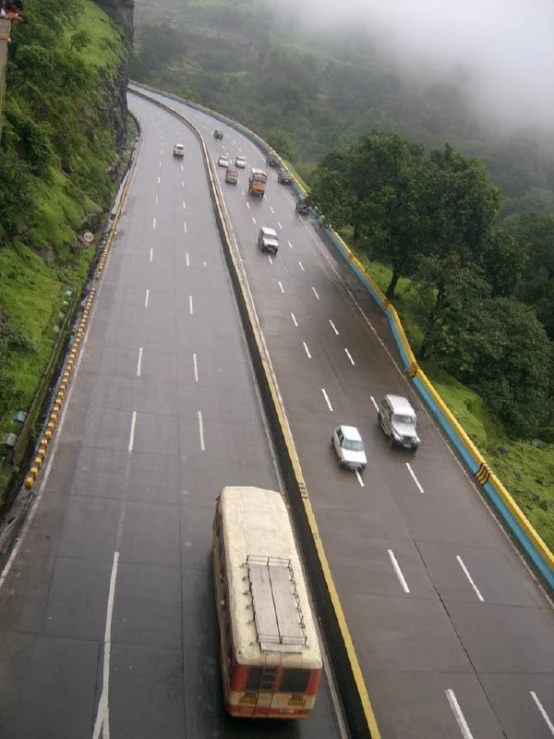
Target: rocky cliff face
{"x": 122, "y": 11}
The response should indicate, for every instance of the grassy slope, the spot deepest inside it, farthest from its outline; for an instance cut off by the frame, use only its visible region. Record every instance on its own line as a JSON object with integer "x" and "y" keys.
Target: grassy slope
{"x": 33, "y": 283}
{"x": 527, "y": 472}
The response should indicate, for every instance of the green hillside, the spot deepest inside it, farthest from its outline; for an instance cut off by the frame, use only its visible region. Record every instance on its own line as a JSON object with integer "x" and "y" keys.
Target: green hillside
{"x": 58, "y": 171}
{"x": 316, "y": 91}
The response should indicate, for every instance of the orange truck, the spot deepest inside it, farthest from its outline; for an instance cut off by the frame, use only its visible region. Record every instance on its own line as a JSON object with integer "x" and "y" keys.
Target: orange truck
{"x": 257, "y": 182}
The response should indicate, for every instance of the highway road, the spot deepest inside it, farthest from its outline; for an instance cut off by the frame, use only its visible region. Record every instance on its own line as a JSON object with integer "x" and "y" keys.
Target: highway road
{"x": 107, "y": 621}
{"x": 454, "y": 636}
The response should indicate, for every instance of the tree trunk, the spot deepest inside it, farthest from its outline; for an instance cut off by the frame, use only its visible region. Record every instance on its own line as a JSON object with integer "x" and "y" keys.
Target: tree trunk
{"x": 423, "y": 352}
{"x": 356, "y": 233}
{"x": 392, "y": 284}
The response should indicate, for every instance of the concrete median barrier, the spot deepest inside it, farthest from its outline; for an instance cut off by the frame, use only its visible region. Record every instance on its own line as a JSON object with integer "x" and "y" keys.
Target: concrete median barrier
{"x": 353, "y": 691}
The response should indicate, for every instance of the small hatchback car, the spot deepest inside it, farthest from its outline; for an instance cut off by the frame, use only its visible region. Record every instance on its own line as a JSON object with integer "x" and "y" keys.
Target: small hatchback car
{"x": 348, "y": 444}
{"x": 240, "y": 162}
{"x": 231, "y": 176}
{"x": 223, "y": 161}
{"x": 398, "y": 420}
{"x": 178, "y": 150}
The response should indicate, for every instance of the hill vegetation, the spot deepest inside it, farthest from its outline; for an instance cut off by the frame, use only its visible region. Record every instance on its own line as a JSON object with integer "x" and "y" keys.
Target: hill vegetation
{"x": 312, "y": 92}
{"x": 63, "y": 125}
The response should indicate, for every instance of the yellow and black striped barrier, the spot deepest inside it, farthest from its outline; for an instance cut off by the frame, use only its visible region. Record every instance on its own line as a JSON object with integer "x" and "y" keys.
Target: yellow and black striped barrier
{"x": 412, "y": 370}
{"x": 483, "y": 474}
{"x": 54, "y": 416}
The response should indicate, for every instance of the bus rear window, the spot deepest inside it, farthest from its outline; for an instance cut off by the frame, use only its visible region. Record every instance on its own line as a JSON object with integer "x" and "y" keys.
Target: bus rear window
{"x": 294, "y": 681}
{"x": 260, "y": 678}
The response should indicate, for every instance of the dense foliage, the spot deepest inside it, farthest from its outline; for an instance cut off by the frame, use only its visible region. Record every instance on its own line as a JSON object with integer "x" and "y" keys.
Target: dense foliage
{"x": 57, "y": 152}
{"x": 323, "y": 91}
{"x": 486, "y": 296}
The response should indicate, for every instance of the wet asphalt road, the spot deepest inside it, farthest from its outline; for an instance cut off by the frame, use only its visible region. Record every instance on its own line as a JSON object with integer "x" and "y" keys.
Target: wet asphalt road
{"x": 454, "y": 637}
{"x": 162, "y": 413}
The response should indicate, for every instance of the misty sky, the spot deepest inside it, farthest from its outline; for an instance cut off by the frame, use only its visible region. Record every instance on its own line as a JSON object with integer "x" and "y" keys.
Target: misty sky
{"x": 508, "y": 45}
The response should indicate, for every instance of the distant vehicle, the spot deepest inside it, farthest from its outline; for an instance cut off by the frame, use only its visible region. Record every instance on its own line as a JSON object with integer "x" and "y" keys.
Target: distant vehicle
{"x": 231, "y": 176}
{"x": 268, "y": 240}
{"x": 179, "y": 150}
{"x": 302, "y": 207}
{"x": 348, "y": 444}
{"x": 257, "y": 182}
{"x": 218, "y": 134}
{"x": 272, "y": 159}
{"x": 223, "y": 161}
{"x": 398, "y": 420}
{"x": 240, "y": 162}
{"x": 269, "y": 650}
{"x": 284, "y": 176}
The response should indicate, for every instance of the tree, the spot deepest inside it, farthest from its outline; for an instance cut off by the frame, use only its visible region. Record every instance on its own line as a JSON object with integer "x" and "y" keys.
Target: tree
{"x": 329, "y": 192}
{"x": 451, "y": 295}
{"x": 513, "y": 363}
{"x": 535, "y": 236}
{"x": 281, "y": 142}
{"x": 406, "y": 204}
{"x": 503, "y": 263}
{"x": 460, "y": 204}
{"x": 495, "y": 345}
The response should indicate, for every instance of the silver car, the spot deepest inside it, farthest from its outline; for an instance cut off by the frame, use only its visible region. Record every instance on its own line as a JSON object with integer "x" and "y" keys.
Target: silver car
{"x": 348, "y": 444}
{"x": 224, "y": 161}
{"x": 240, "y": 162}
{"x": 398, "y": 420}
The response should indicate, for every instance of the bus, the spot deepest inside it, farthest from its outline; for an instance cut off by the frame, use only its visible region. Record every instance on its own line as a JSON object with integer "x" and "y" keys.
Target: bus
{"x": 270, "y": 656}
{"x": 257, "y": 182}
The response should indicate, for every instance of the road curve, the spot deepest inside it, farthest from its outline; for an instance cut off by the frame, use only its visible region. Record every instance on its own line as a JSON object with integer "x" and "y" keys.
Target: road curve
{"x": 107, "y": 622}
{"x": 454, "y": 636}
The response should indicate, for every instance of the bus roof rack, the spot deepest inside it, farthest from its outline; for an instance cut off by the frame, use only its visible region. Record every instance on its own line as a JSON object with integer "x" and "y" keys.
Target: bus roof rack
{"x": 275, "y": 603}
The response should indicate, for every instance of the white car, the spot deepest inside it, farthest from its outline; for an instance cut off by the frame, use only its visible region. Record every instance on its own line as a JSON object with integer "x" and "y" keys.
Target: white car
{"x": 223, "y": 161}
{"x": 348, "y": 444}
{"x": 178, "y": 150}
{"x": 240, "y": 162}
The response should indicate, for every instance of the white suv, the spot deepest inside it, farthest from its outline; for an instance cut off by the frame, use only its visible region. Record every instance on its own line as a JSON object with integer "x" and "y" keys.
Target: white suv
{"x": 178, "y": 150}
{"x": 398, "y": 420}
{"x": 268, "y": 240}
